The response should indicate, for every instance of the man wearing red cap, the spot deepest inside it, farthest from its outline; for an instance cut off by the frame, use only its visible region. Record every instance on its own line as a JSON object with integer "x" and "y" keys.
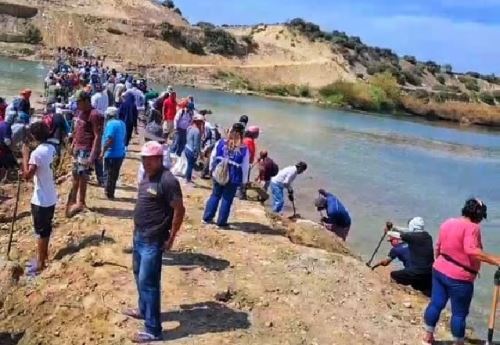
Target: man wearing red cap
{"x": 158, "y": 216}
{"x": 251, "y": 134}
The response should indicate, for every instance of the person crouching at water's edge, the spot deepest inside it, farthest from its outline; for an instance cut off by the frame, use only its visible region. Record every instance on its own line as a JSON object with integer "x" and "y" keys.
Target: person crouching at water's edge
{"x": 337, "y": 218}
{"x": 229, "y": 162}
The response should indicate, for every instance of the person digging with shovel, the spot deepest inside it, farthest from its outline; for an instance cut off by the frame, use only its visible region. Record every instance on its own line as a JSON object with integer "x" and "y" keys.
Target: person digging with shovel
{"x": 283, "y": 180}
{"x": 337, "y": 218}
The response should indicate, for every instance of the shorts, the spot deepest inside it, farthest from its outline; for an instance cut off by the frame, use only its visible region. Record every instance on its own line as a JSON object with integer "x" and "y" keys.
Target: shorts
{"x": 79, "y": 168}
{"x": 42, "y": 220}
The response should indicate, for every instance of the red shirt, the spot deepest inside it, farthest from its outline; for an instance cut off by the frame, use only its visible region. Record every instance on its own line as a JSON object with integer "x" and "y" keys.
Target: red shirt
{"x": 250, "y": 144}
{"x": 86, "y": 123}
{"x": 170, "y": 109}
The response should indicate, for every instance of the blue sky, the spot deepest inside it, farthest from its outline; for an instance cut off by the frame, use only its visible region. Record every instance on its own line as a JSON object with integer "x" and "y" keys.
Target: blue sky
{"x": 465, "y": 33}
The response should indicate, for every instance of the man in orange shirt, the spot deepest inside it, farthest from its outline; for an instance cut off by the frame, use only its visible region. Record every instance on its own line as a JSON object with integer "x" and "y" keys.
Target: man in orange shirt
{"x": 251, "y": 135}
{"x": 169, "y": 111}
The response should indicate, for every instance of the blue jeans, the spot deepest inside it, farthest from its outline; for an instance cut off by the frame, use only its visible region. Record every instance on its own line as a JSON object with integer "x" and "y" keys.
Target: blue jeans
{"x": 191, "y": 161}
{"x": 460, "y": 294}
{"x": 278, "y": 197}
{"x": 147, "y": 263}
{"x": 227, "y": 194}
{"x": 179, "y": 142}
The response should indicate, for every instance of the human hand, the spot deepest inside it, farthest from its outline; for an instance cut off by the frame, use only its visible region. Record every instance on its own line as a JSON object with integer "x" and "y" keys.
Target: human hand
{"x": 168, "y": 244}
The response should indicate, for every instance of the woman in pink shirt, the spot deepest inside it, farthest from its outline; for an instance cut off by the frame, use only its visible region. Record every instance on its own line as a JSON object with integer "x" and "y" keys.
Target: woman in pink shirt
{"x": 459, "y": 253}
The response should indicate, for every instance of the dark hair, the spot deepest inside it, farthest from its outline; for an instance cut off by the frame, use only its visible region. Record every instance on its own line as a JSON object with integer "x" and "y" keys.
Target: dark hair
{"x": 301, "y": 166}
{"x": 244, "y": 119}
{"x": 475, "y": 210}
{"x": 40, "y": 131}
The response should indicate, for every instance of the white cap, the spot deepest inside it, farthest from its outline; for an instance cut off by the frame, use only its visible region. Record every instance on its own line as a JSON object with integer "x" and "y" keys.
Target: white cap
{"x": 416, "y": 224}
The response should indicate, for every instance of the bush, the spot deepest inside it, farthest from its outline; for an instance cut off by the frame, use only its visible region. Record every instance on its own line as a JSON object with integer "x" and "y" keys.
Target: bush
{"x": 412, "y": 79}
{"x": 115, "y": 31}
{"x": 441, "y": 79}
{"x": 287, "y": 90}
{"x": 194, "y": 47}
{"x": 471, "y": 84}
{"x": 487, "y": 98}
{"x": 410, "y": 59}
{"x": 168, "y": 3}
{"x": 221, "y": 42}
{"x": 387, "y": 83}
{"x": 33, "y": 35}
{"x": 170, "y": 33}
{"x": 433, "y": 67}
{"x": 448, "y": 69}
{"x": 474, "y": 74}
{"x": 178, "y": 11}
{"x": 204, "y": 25}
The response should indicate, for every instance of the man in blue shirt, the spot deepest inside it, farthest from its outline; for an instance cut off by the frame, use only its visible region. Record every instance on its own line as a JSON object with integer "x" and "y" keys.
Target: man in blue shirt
{"x": 113, "y": 150}
{"x": 337, "y": 218}
{"x": 399, "y": 251}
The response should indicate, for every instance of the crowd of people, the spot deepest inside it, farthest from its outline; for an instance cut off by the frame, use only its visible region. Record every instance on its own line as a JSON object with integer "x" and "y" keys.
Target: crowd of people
{"x": 93, "y": 112}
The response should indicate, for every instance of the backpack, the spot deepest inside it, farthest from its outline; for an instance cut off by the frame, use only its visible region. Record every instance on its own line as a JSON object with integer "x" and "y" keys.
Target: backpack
{"x": 48, "y": 119}
{"x": 221, "y": 172}
{"x": 275, "y": 169}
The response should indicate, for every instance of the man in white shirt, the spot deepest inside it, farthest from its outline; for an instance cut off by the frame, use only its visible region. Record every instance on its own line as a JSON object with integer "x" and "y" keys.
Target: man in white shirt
{"x": 100, "y": 100}
{"x": 119, "y": 90}
{"x": 38, "y": 166}
{"x": 283, "y": 180}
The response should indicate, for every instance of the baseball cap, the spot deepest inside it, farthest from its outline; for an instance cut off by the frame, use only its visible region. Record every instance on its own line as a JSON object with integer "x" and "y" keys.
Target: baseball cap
{"x": 153, "y": 131}
{"x": 152, "y": 149}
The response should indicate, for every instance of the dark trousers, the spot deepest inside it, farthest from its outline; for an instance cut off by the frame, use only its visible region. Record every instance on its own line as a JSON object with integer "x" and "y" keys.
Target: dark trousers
{"x": 147, "y": 262}
{"x": 99, "y": 170}
{"x": 223, "y": 195}
{"x": 111, "y": 173}
{"x": 420, "y": 282}
{"x": 179, "y": 142}
{"x": 130, "y": 130}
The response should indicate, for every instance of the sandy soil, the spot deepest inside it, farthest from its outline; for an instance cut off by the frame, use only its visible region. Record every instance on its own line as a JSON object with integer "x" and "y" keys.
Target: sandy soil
{"x": 262, "y": 282}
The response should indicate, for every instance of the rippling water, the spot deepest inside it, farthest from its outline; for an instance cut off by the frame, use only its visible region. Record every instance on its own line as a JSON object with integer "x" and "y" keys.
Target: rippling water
{"x": 382, "y": 167}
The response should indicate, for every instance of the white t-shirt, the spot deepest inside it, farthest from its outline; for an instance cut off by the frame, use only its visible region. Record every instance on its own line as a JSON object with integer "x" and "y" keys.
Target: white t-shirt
{"x": 44, "y": 192}
{"x": 286, "y": 176}
{"x": 100, "y": 102}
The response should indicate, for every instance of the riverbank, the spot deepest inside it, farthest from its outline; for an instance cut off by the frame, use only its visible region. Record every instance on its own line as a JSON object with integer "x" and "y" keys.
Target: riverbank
{"x": 260, "y": 282}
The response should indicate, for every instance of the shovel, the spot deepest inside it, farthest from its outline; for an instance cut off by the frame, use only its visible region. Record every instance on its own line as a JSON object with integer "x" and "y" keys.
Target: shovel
{"x": 494, "y": 305}
{"x": 14, "y": 216}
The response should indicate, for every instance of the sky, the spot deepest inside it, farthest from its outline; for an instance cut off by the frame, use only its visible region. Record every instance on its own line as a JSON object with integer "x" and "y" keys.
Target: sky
{"x": 464, "y": 33}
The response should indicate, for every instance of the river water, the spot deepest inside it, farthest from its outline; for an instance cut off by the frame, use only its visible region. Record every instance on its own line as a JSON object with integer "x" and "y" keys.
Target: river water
{"x": 382, "y": 167}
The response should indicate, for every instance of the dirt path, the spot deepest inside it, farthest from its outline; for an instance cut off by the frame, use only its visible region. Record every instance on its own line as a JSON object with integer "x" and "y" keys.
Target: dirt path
{"x": 249, "y": 285}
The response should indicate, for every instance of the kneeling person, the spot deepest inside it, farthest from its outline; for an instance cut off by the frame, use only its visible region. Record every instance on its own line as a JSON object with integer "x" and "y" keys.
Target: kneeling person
{"x": 338, "y": 219}
{"x": 419, "y": 273}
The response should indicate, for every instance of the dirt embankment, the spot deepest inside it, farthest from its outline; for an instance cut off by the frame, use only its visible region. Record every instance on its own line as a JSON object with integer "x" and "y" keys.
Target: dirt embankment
{"x": 262, "y": 282}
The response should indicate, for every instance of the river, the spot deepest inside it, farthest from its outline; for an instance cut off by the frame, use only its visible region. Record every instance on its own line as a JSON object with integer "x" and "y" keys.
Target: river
{"x": 382, "y": 167}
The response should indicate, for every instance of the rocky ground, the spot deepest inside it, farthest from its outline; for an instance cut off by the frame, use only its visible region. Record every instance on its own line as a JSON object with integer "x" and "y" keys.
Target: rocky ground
{"x": 262, "y": 282}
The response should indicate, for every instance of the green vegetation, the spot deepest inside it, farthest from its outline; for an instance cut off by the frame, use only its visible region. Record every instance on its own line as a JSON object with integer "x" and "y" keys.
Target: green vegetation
{"x": 487, "y": 98}
{"x": 412, "y": 78}
{"x": 233, "y": 81}
{"x": 33, "y": 35}
{"x": 219, "y": 41}
{"x": 287, "y": 90}
{"x": 168, "y": 4}
{"x": 382, "y": 93}
{"x": 441, "y": 79}
{"x": 471, "y": 84}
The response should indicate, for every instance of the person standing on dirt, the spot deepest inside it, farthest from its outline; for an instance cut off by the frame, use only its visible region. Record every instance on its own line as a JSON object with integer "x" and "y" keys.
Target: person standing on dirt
{"x": 229, "y": 163}
{"x": 459, "y": 253}
{"x": 419, "y": 273}
{"x": 399, "y": 251}
{"x": 7, "y": 159}
{"x": 158, "y": 216}
{"x": 128, "y": 114}
{"x": 119, "y": 90}
{"x": 193, "y": 144}
{"x": 24, "y": 107}
{"x": 38, "y": 166}
{"x": 58, "y": 127}
{"x": 251, "y": 135}
{"x": 169, "y": 112}
{"x": 154, "y": 132}
{"x": 100, "y": 101}
{"x": 113, "y": 150}
{"x": 267, "y": 170}
{"x": 182, "y": 121}
{"x": 284, "y": 179}
{"x": 337, "y": 218}
{"x": 86, "y": 148}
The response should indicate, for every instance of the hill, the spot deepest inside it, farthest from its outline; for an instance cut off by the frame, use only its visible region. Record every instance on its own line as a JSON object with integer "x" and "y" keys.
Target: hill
{"x": 292, "y": 59}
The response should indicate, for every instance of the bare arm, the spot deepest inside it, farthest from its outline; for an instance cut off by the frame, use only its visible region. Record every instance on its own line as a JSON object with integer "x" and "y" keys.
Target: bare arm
{"x": 28, "y": 170}
{"x": 384, "y": 263}
{"x": 486, "y": 257}
{"x": 97, "y": 129}
{"x": 178, "y": 218}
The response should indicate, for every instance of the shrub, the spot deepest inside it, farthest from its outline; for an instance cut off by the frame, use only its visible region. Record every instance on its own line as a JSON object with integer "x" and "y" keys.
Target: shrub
{"x": 433, "y": 67}
{"x": 194, "y": 47}
{"x": 496, "y": 95}
{"x": 304, "y": 91}
{"x": 33, "y": 35}
{"x": 168, "y": 4}
{"x": 116, "y": 31}
{"x": 387, "y": 83}
{"x": 219, "y": 41}
{"x": 474, "y": 74}
{"x": 410, "y": 59}
{"x": 412, "y": 79}
{"x": 471, "y": 84}
{"x": 447, "y": 69}
{"x": 441, "y": 79}
{"x": 178, "y": 11}
{"x": 204, "y": 25}
{"x": 487, "y": 98}
{"x": 170, "y": 33}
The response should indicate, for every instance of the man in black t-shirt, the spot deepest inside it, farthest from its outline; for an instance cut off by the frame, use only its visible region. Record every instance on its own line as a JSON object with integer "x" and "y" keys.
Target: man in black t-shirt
{"x": 419, "y": 273}
{"x": 158, "y": 216}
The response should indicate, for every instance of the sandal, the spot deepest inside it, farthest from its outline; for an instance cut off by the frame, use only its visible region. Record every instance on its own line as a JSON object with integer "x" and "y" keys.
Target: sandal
{"x": 33, "y": 269}
{"x": 144, "y": 338}
{"x": 133, "y": 313}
